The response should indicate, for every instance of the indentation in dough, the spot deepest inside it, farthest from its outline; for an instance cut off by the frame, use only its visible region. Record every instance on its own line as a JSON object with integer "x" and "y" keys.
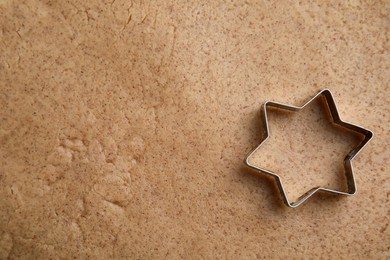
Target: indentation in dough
{"x": 122, "y": 164}
{"x": 61, "y": 155}
{"x": 38, "y": 188}
{"x": 110, "y": 149}
{"x": 66, "y": 151}
{"x": 137, "y": 145}
{"x": 95, "y": 151}
{"x": 49, "y": 174}
{"x": 114, "y": 187}
{"x": 73, "y": 144}
{"x": 16, "y": 194}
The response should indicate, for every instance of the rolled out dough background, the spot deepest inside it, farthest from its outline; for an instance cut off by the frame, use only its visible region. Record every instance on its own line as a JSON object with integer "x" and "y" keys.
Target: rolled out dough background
{"x": 124, "y": 125}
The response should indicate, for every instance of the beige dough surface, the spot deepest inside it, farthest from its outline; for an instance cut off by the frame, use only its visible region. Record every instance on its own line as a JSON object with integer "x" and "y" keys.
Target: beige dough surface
{"x": 124, "y": 126}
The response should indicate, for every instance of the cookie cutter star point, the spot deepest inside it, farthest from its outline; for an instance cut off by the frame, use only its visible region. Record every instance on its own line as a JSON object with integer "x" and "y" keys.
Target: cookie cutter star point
{"x": 335, "y": 118}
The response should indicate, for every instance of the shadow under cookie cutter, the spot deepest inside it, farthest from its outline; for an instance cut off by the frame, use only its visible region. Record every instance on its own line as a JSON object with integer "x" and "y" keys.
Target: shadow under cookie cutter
{"x": 327, "y": 94}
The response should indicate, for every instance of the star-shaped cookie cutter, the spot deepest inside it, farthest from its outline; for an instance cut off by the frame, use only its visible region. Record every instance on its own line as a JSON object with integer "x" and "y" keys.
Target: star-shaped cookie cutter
{"x": 335, "y": 119}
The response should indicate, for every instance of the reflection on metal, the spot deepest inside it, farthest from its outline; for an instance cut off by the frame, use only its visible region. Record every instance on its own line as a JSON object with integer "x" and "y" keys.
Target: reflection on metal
{"x": 327, "y": 94}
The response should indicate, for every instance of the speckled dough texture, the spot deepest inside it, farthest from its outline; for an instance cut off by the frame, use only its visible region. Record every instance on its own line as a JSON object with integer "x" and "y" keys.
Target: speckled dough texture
{"x": 124, "y": 126}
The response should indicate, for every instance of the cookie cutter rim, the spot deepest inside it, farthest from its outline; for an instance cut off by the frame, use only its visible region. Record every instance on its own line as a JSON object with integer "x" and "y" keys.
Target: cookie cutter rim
{"x": 335, "y": 119}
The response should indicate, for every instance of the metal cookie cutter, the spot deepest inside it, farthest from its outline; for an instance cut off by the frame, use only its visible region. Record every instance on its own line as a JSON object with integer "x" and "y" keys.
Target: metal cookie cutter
{"x": 335, "y": 120}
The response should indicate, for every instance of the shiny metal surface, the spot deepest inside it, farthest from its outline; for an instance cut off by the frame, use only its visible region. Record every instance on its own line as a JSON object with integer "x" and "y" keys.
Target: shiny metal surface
{"x": 335, "y": 117}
